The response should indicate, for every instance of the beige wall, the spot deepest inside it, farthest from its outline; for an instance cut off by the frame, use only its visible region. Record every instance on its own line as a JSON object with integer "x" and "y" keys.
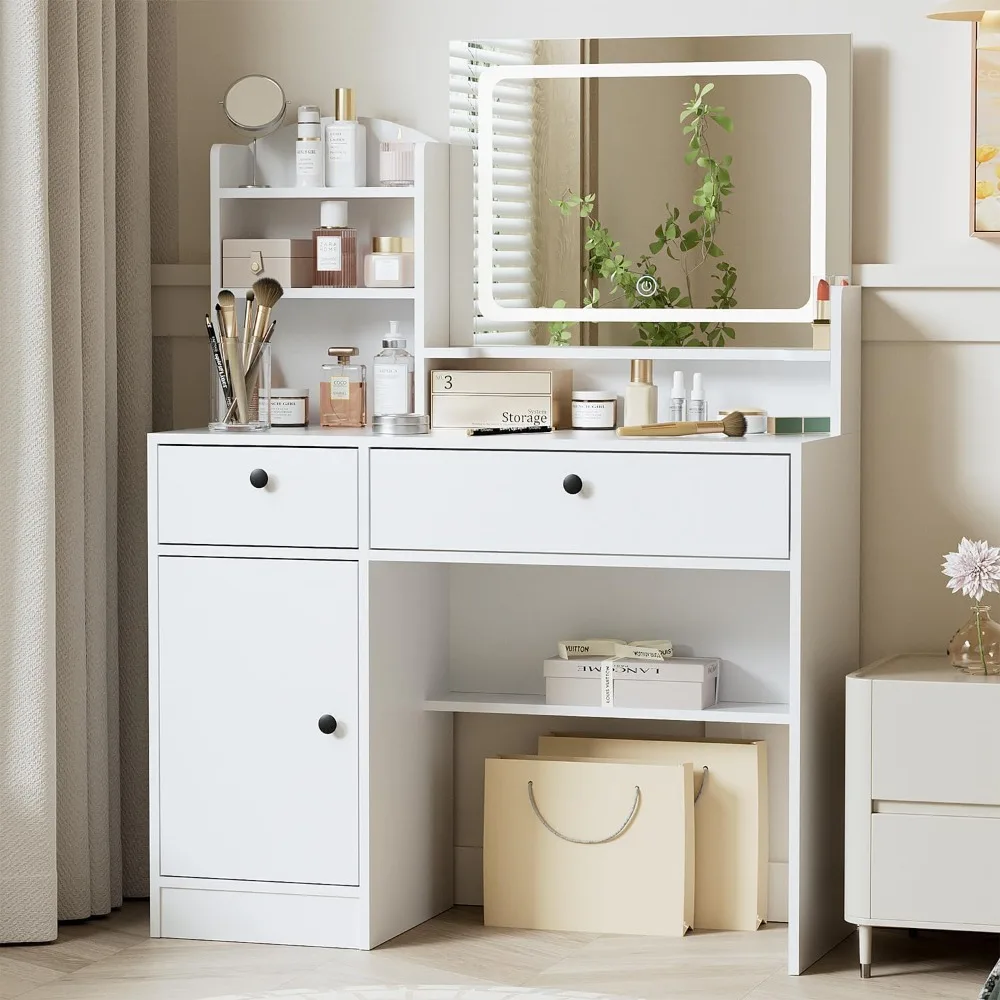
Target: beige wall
{"x": 929, "y": 470}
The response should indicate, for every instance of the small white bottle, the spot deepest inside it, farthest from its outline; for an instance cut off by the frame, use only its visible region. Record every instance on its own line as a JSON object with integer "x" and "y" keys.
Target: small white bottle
{"x": 346, "y": 144}
{"x": 697, "y": 407}
{"x": 640, "y": 396}
{"x": 309, "y": 149}
{"x": 392, "y": 375}
{"x": 678, "y": 398}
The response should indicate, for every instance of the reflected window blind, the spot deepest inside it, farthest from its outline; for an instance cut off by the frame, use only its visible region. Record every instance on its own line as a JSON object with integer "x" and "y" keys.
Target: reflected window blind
{"x": 513, "y": 139}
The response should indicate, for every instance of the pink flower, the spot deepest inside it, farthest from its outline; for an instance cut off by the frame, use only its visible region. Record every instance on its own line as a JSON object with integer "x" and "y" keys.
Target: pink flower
{"x": 974, "y": 569}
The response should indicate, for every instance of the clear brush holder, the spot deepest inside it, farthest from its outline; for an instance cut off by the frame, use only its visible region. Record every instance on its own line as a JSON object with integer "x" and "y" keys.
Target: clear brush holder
{"x": 256, "y": 389}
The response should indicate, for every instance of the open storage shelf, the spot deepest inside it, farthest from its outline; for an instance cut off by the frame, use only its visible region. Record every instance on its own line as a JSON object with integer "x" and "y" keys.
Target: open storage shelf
{"x": 316, "y": 194}
{"x": 692, "y": 354}
{"x": 519, "y": 704}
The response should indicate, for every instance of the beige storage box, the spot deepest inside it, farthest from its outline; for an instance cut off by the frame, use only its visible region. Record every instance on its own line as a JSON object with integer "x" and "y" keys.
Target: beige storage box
{"x": 731, "y": 829}
{"x": 689, "y": 683}
{"x": 600, "y": 847}
{"x": 462, "y": 399}
{"x": 289, "y": 262}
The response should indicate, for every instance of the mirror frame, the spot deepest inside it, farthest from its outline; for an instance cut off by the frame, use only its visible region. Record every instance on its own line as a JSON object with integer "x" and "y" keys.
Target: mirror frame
{"x": 266, "y": 128}
{"x": 813, "y": 72}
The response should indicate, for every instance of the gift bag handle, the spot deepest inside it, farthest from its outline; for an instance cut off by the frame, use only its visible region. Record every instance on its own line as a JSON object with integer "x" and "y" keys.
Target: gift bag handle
{"x": 573, "y": 840}
{"x": 603, "y": 840}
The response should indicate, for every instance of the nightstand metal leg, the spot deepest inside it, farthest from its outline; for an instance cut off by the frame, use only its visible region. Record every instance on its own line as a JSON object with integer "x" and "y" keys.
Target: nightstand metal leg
{"x": 865, "y": 950}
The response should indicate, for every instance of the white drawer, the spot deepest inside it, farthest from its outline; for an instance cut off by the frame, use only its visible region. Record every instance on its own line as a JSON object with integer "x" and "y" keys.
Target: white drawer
{"x": 932, "y": 742}
{"x": 936, "y": 869}
{"x": 700, "y": 505}
{"x": 205, "y": 496}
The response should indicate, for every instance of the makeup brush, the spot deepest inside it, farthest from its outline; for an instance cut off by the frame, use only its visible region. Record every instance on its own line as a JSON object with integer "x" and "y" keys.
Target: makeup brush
{"x": 226, "y": 310}
{"x": 220, "y": 365}
{"x": 733, "y": 425}
{"x": 246, "y": 326}
{"x": 266, "y": 293}
{"x": 227, "y": 305}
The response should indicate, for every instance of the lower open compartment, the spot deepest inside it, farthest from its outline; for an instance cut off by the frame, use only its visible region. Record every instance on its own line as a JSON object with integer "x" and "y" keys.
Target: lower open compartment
{"x": 474, "y": 654}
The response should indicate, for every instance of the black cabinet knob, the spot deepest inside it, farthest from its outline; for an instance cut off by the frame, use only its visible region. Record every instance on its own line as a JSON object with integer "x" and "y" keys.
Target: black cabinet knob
{"x": 258, "y": 479}
{"x": 327, "y": 724}
{"x": 573, "y": 484}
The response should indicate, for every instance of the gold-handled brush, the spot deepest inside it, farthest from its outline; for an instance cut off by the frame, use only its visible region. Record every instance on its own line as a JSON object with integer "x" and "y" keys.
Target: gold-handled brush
{"x": 266, "y": 293}
{"x": 251, "y": 373}
{"x": 247, "y": 315}
{"x": 232, "y": 353}
{"x": 734, "y": 425}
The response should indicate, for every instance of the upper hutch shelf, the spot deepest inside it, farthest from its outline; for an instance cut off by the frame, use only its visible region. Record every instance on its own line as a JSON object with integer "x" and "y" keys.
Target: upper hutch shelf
{"x": 693, "y": 354}
{"x": 315, "y": 193}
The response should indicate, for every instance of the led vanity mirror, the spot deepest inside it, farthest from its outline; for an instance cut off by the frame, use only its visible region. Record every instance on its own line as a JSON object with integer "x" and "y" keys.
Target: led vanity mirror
{"x": 255, "y": 105}
{"x": 653, "y": 191}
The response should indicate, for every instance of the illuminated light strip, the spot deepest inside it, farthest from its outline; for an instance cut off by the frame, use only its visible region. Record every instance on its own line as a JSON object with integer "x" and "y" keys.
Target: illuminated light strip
{"x": 814, "y": 74}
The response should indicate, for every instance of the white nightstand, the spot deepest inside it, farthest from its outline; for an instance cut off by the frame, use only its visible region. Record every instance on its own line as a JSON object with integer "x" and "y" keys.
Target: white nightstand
{"x": 923, "y": 799}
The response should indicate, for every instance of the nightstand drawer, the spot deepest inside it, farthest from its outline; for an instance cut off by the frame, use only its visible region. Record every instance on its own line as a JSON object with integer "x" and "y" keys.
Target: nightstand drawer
{"x": 936, "y": 741}
{"x": 941, "y": 870}
{"x": 249, "y": 495}
{"x": 665, "y": 504}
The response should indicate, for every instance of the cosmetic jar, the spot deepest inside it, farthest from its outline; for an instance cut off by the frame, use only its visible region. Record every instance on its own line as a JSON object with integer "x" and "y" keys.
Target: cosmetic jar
{"x": 594, "y": 410}
{"x": 395, "y": 163}
{"x": 289, "y": 407}
{"x": 756, "y": 419}
{"x": 401, "y": 423}
{"x": 390, "y": 264}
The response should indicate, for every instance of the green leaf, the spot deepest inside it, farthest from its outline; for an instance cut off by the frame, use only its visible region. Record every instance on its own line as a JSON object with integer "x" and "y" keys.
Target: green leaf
{"x": 695, "y": 216}
{"x": 697, "y": 89}
{"x": 724, "y": 121}
{"x": 708, "y": 88}
{"x": 690, "y": 156}
{"x": 714, "y": 251}
{"x": 559, "y": 304}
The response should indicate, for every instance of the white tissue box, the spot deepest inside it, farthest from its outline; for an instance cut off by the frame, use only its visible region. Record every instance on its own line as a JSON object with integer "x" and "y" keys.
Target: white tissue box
{"x": 689, "y": 683}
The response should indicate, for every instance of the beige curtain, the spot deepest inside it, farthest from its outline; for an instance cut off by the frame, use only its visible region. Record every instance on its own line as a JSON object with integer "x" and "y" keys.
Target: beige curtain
{"x": 74, "y": 409}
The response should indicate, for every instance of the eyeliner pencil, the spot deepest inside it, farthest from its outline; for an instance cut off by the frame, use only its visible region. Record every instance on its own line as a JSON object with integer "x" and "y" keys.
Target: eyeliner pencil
{"x": 220, "y": 365}
{"x": 484, "y": 431}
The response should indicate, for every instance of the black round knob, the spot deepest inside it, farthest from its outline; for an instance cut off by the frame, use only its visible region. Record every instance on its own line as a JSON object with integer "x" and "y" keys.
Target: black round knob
{"x": 573, "y": 484}
{"x": 258, "y": 479}
{"x": 327, "y": 724}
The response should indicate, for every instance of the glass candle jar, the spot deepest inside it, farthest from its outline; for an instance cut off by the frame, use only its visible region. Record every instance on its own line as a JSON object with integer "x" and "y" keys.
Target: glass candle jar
{"x": 594, "y": 410}
{"x": 342, "y": 391}
{"x": 395, "y": 163}
{"x": 335, "y": 248}
{"x": 390, "y": 264}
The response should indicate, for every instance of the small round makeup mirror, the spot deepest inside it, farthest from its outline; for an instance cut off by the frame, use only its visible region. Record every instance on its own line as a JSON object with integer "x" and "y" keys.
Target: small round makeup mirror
{"x": 255, "y": 104}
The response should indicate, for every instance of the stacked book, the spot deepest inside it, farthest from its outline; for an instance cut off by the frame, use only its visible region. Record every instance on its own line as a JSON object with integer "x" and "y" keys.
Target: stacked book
{"x": 464, "y": 399}
{"x": 643, "y": 674}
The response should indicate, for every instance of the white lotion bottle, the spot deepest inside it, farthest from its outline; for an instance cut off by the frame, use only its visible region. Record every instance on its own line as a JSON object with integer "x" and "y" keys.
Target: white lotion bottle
{"x": 678, "y": 398}
{"x": 309, "y": 156}
{"x": 346, "y": 144}
{"x": 697, "y": 407}
{"x": 640, "y": 395}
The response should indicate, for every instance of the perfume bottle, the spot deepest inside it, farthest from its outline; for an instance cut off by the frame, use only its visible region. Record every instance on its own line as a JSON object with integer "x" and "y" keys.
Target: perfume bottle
{"x": 392, "y": 375}
{"x": 335, "y": 248}
{"x": 346, "y": 144}
{"x": 309, "y": 148}
{"x": 342, "y": 391}
{"x": 640, "y": 395}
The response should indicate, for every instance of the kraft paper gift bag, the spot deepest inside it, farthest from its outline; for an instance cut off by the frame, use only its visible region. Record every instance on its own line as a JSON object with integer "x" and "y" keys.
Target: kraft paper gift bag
{"x": 730, "y": 818}
{"x": 605, "y": 847}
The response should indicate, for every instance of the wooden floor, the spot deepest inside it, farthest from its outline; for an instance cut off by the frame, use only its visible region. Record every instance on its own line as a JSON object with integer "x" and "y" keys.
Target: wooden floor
{"x": 114, "y": 959}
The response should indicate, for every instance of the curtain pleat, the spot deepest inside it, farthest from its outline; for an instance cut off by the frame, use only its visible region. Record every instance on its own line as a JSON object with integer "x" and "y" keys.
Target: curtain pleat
{"x": 72, "y": 462}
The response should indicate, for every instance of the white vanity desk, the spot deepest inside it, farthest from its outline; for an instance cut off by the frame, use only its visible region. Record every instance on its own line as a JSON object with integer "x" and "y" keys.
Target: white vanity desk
{"x": 369, "y": 578}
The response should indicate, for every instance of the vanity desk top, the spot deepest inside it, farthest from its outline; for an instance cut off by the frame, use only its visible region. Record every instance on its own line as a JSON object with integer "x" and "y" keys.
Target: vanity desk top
{"x": 315, "y": 437}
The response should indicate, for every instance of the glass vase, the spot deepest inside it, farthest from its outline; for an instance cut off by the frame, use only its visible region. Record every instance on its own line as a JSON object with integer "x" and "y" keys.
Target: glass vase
{"x": 975, "y": 647}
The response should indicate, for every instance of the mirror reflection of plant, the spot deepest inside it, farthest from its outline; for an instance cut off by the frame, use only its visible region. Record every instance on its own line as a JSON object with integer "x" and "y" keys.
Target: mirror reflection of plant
{"x": 692, "y": 247}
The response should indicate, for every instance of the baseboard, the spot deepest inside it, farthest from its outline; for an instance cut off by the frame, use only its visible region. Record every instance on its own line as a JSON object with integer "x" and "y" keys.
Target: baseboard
{"x": 469, "y": 883}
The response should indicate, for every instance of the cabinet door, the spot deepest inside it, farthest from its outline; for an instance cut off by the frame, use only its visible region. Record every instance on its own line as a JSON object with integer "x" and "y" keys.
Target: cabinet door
{"x": 252, "y": 653}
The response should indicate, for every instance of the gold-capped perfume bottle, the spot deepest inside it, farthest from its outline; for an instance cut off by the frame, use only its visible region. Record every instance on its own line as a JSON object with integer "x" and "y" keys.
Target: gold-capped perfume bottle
{"x": 342, "y": 391}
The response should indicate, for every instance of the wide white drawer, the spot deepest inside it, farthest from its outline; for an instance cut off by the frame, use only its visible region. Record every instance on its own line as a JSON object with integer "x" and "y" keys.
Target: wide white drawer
{"x": 935, "y": 742}
{"x": 206, "y": 495}
{"x": 699, "y": 505}
{"x": 935, "y": 869}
